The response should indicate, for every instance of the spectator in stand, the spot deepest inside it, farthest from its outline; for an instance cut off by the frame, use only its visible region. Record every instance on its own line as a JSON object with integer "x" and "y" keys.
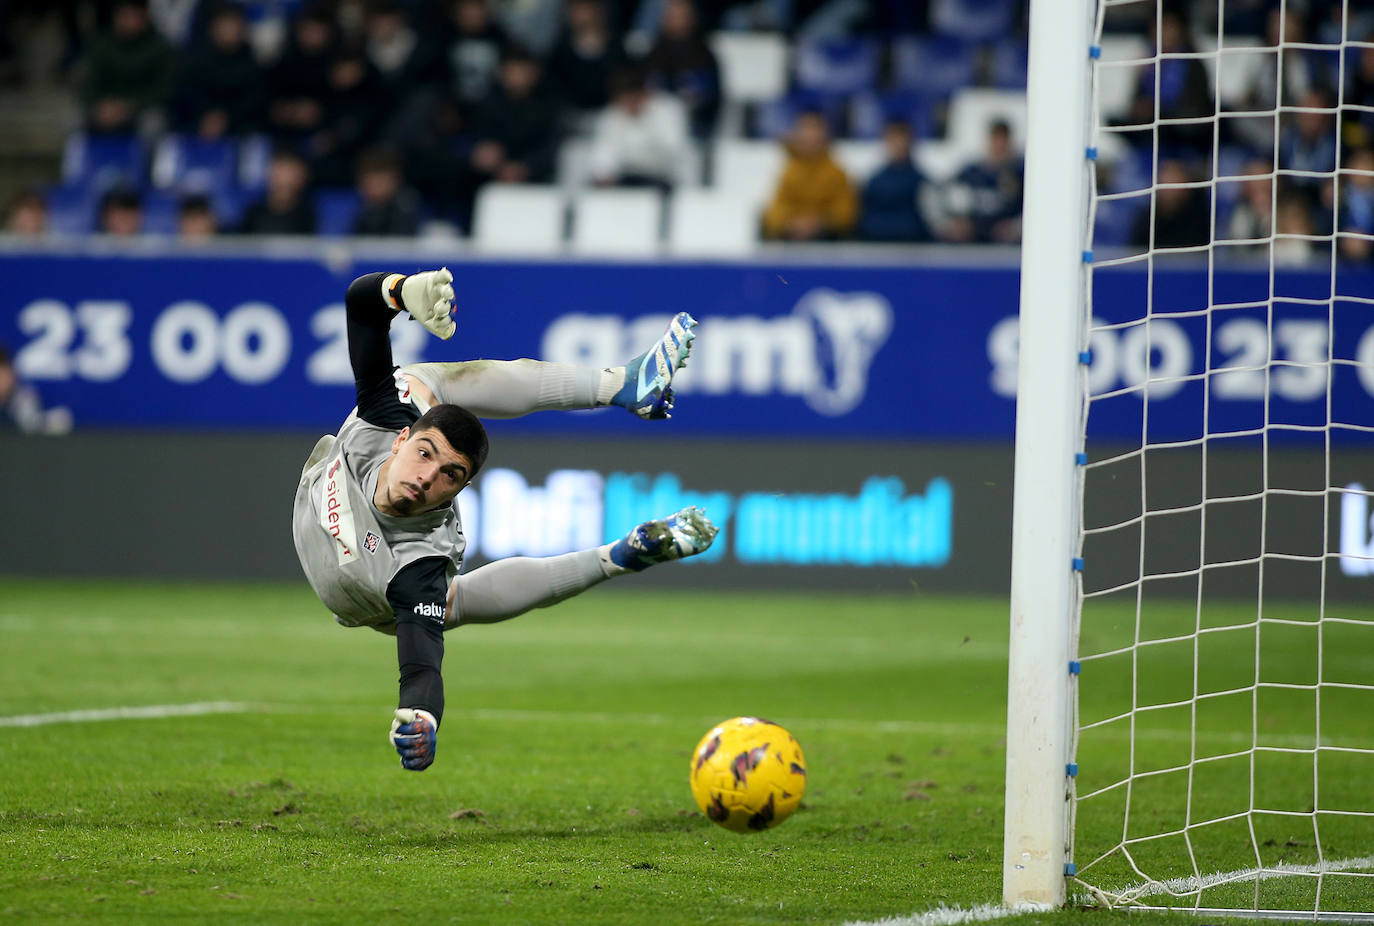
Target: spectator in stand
{"x": 27, "y": 215}
{"x": 473, "y": 55}
{"x": 890, "y": 205}
{"x": 1360, "y": 66}
{"x": 1357, "y": 206}
{"x": 20, "y": 407}
{"x": 1184, "y": 90}
{"x": 196, "y": 218}
{"x": 128, "y": 73}
{"x": 584, "y": 59}
{"x": 1253, "y": 216}
{"x": 641, "y": 138}
{"x": 1301, "y": 72}
{"x": 407, "y": 62}
{"x": 814, "y": 200}
{"x": 1294, "y": 217}
{"x": 531, "y": 24}
{"x": 354, "y": 109}
{"x": 991, "y": 190}
{"x": 1307, "y": 140}
{"x": 516, "y": 130}
{"x": 389, "y": 207}
{"x": 300, "y": 79}
{"x": 285, "y": 209}
{"x": 220, "y": 88}
{"x": 1182, "y": 216}
{"x": 121, "y": 212}
{"x": 682, "y": 62}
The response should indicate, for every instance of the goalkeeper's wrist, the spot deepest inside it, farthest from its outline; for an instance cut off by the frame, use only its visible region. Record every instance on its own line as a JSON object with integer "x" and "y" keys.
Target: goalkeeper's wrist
{"x": 421, "y": 712}
{"x": 391, "y": 291}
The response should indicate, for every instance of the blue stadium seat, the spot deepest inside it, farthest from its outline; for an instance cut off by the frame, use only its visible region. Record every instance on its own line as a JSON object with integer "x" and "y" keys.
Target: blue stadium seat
{"x": 255, "y": 156}
{"x": 1116, "y": 220}
{"x": 774, "y": 118}
{"x": 936, "y": 66}
{"x": 71, "y": 209}
{"x": 194, "y": 165}
{"x": 869, "y": 112}
{"x": 160, "y": 211}
{"x": 98, "y": 162}
{"x": 837, "y": 67}
{"x": 335, "y": 210}
{"x": 230, "y": 204}
{"x": 973, "y": 20}
{"x": 1009, "y": 61}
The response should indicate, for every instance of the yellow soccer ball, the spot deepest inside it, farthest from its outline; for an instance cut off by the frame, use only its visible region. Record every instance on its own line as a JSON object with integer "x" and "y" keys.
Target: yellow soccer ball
{"x": 748, "y": 774}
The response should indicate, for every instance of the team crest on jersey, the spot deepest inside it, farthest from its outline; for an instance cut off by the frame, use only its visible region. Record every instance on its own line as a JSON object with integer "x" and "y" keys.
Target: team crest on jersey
{"x": 370, "y": 542}
{"x": 402, "y": 387}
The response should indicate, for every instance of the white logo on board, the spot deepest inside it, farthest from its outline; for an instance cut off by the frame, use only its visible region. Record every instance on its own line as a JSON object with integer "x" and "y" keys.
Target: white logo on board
{"x": 1357, "y": 531}
{"x": 822, "y": 351}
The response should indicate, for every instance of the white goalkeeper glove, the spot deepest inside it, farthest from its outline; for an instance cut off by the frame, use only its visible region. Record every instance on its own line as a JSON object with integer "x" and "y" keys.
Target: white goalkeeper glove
{"x": 428, "y": 297}
{"x": 415, "y": 734}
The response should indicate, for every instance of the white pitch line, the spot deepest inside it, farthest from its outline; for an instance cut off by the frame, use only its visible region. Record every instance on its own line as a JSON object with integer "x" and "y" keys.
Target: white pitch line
{"x": 145, "y": 712}
{"x": 953, "y": 916}
{"x": 1191, "y": 885}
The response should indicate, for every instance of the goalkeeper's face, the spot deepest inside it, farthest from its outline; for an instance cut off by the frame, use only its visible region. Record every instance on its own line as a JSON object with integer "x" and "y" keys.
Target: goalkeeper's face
{"x": 424, "y": 472}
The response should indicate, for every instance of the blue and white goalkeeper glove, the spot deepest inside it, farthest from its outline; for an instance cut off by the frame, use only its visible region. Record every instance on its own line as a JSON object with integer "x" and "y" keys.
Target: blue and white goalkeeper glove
{"x": 428, "y": 297}
{"x": 415, "y": 734}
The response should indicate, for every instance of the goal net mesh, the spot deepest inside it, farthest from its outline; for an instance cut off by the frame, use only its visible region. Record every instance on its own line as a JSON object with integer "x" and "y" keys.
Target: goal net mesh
{"x": 1224, "y": 729}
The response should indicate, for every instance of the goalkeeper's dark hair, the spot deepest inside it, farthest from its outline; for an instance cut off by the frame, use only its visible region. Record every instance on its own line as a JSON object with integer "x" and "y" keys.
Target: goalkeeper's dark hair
{"x": 462, "y": 430}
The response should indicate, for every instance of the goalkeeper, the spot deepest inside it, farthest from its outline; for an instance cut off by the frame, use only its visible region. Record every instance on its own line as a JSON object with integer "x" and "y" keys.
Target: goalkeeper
{"x": 376, "y": 524}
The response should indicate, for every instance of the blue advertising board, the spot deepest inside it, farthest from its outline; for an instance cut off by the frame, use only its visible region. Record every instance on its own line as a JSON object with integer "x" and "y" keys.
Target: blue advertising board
{"x": 843, "y": 350}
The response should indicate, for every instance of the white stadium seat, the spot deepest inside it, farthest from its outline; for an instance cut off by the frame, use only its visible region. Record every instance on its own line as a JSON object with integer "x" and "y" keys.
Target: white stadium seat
{"x": 711, "y": 223}
{"x": 1116, "y": 83}
{"x": 753, "y": 69}
{"x": 518, "y": 218}
{"x": 753, "y": 65}
{"x": 972, "y": 111}
{"x": 939, "y": 160}
{"x": 859, "y": 158}
{"x": 748, "y": 168}
{"x": 617, "y": 222}
{"x": 1240, "y": 62}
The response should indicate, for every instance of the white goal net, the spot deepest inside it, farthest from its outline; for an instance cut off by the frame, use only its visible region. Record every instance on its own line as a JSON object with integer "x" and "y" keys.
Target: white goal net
{"x": 1222, "y": 743}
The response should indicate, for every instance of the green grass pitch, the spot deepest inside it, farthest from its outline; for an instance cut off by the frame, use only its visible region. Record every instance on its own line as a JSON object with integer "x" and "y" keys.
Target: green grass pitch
{"x": 559, "y": 794}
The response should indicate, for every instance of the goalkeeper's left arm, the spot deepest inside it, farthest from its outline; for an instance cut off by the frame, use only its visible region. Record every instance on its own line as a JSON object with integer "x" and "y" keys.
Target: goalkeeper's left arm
{"x": 418, "y": 596}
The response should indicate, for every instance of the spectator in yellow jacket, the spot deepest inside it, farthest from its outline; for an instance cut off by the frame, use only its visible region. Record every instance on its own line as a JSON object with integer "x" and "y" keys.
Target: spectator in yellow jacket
{"x": 814, "y": 200}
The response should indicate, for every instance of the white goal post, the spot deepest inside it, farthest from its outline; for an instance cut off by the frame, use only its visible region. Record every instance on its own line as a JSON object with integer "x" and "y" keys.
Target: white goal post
{"x": 1187, "y": 619}
{"x": 1044, "y": 520}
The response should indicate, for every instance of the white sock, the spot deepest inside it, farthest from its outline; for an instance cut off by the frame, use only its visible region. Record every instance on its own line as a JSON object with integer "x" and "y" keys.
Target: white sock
{"x": 608, "y": 565}
{"x": 612, "y": 378}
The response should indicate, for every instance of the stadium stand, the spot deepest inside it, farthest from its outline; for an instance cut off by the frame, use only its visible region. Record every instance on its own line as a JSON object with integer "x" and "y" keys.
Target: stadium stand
{"x": 948, "y": 72}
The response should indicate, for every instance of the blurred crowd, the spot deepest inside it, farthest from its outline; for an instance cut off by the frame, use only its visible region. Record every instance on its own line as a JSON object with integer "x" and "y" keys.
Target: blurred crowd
{"x": 1299, "y": 151}
{"x": 411, "y": 106}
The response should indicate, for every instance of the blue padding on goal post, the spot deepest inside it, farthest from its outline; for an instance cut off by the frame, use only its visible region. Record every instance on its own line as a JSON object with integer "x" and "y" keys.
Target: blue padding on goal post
{"x": 1070, "y": 869}
{"x": 1078, "y": 564}
{"x": 1075, "y": 667}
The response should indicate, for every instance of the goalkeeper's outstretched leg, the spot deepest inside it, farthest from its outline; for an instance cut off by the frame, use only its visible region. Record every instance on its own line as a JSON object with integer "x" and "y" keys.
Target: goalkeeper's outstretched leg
{"x": 512, "y": 388}
{"x": 508, "y": 588}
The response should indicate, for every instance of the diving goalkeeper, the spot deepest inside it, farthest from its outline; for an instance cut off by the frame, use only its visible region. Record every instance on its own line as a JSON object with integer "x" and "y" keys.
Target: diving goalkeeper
{"x": 376, "y": 524}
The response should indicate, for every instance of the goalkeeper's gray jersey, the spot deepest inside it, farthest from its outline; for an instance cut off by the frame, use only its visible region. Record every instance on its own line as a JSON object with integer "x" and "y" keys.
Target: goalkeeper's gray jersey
{"x": 349, "y": 550}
